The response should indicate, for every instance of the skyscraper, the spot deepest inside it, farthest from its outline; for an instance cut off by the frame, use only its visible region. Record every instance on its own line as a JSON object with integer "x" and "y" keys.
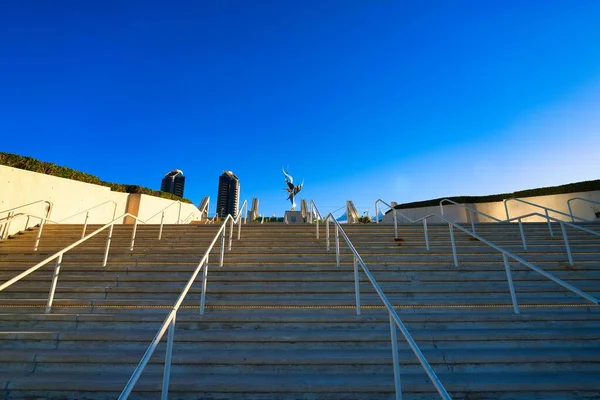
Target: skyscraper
{"x": 173, "y": 182}
{"x": 229, "y": 195}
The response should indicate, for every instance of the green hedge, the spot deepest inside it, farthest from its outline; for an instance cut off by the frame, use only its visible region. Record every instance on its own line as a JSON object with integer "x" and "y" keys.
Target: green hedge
{"x": 42, "y": 167}
{"x": 585, "y": 186}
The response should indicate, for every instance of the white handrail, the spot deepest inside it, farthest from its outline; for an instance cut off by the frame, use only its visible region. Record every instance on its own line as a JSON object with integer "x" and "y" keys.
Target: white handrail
{"x": 188, "y": 218}
{"x": 59, "y": 255}
{"x": 242, "y": 207}
{"x": 580, "y": 199}
{"x": 562, "y": 227}
{"x": 546, "y": 209}
{"x": 88, "y": 214}
{"x": 169, "y": 322}
{"x": 313, "y": 210}
{"x": 505, "y": 254}
{"x": 394, "y": 215}
{"x": 11, "y": 213}
{"x": 395, "y": 320}
{"x": 42, "y": 222}
{"x": 471, "y": 211}
{"x": 163, "y": 212}
{"x": 92, "y": 208}
{"x": 29, "y": 204}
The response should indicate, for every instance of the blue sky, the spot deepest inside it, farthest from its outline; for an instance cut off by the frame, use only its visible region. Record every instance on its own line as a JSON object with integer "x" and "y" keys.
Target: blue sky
{"x": 400, "y": 100}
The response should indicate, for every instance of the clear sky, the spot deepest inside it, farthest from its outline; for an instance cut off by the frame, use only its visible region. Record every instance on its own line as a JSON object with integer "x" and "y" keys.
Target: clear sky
{"x": 400, "y": 100}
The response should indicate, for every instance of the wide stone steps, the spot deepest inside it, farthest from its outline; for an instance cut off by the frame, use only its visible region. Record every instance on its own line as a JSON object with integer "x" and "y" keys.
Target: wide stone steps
{"x": 281, "y": 323}
{"x": 487, "y": 386}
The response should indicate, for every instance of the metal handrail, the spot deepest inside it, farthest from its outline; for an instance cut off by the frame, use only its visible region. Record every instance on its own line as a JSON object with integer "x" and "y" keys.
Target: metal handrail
{"x": 88, "y": 214}
{"x": 546, "y": 209}
{"x": 394, "y": 214}
{"x": 20, "y": 215}
{"x": 29, "y": 204}
{"x": 242, "y": 207}
{"x": 29, "y": 216}
{"x": 395, "y": 320}
{"x": 581, "y": 199}
{"x": 163, "y": 212}
{"x": 11, "y": 213}
{"x": 185, "y": 221}
{"x": 562, "y": 227}
{"x": 505, "y": 255}
{"x": 59, "y": 255}
{"x": 313, "y": 209}
{"x": 471, "y": 211}
{"x": 169, "y": 322}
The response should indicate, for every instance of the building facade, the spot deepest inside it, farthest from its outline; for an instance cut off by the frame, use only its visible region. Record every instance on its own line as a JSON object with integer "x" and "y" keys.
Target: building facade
{"x": 173, "y": 182}
{"x": 228, "y": 195}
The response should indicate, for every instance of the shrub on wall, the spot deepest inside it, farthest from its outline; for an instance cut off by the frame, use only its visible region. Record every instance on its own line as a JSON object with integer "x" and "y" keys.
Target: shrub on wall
{"x": 585, "y": 186}
{"x": 42, "y": 167}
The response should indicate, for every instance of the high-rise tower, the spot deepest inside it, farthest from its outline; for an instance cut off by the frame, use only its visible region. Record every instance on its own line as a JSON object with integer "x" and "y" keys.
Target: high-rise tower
{"x": 173, "y": 182}
{"x": 229, "y": 195}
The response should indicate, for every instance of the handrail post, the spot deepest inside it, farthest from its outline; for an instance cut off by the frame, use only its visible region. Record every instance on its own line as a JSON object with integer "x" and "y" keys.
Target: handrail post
{"x": 451, "y": 228}
{"x": 570, "y": 210}
{"x": 337, "y": 245}
{"x": 506, "y": 209}
{"x": 231, "y": 226}
{"x": 567, "y": 246}
{"x": 87, "y": 214}
{"x": 239, "y": 231}
{"x": 395, "y": 224}
{"x": 327, "y": 234}
{"x": 162, "y": 218}
{"x": 317, "y": 223}
{"x": 472, "y": 221}
{"x": 395, "y": 358}
{"x": 168, "y": 355}
{"x": 356, "y": 285}
{"x": 222, "y": 247}
{"x": 54, "y": 282}
{"x": 511, "y": 285}
{"x": 110, "y": 232}
{"x": 549, "y": 225}
{"x": 376, "y": 213}
{"x": 426, "y": 234}
{"x": 39, "y": 235}
{"x": 7, "y": 225}
{"x": 179, "y": 213}
{"x": 522, "y": 234}
{"x": 203, "y": 293}
{"x": 133, "y": 234}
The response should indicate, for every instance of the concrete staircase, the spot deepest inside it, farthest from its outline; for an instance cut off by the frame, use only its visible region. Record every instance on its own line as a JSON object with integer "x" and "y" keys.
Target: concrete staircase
{"x": 280, "y": 321}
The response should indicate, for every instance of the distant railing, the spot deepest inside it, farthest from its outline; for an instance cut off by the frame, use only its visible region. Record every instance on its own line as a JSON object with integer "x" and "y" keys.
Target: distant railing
{"x": 87, "y": 214}
{"x": 169, "y": 322}
{"x": 470, "y": 210}
{"x": 44, "y": 220}
{"x": 395, "y": 215}
{"x": 162, "y": 213}
{"x": 580, "y": 199}
{"x": 505, "y": 253}
{"x": 395, "y": 321}
{"x": 562, "y": 227}
{"x": 314, "y": 212}
{"x": 546, "y": 210}
{"x": 5, "y": 224}
{"x": 59, "y": 256}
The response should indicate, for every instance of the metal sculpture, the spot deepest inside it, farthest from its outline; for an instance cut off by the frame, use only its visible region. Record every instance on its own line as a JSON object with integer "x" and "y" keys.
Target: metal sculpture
{"x": 292, "y": 189}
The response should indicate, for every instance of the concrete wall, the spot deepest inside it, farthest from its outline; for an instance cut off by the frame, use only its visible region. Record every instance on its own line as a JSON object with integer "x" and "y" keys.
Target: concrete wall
{"x": 18, "y": 187}
{"x": 497, "y": 210}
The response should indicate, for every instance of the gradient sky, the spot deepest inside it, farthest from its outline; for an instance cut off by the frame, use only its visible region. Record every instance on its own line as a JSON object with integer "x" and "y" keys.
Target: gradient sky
{"x": 400, "y": 100}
